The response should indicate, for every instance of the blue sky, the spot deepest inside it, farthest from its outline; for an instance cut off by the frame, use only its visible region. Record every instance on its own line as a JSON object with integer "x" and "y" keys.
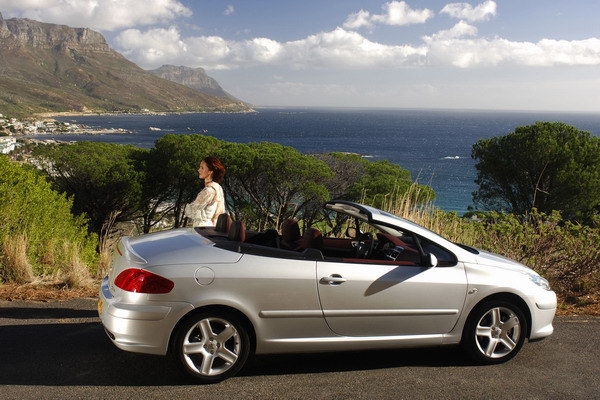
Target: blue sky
{"x": 509, "y": 55}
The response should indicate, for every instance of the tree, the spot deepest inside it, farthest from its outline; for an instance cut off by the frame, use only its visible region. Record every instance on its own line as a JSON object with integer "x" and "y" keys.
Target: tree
{"x": 547, "y": 166}
{"x": 171, "y": 178}
{"x": 101, "y": 178}
{"x": 373, "y": 182}
{"x": 267, "y": 182}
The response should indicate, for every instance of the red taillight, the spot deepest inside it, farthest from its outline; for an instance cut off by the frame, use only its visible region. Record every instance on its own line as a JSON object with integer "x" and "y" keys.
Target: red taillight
{"x": 141, "y": 281}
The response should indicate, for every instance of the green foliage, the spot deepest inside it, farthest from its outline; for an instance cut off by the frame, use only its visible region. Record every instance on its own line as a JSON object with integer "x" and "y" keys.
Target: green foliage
{"x": 171, "y": 178}
{"x": 373, "y": 182}
{"x": 264, "y": 182}
{"x": 562, "y": 251}
{"x": 267, "y": 182}
{"x": 30, "y": 208}
{"x": 102, "y": 179}
{"x": 548, "y": 166}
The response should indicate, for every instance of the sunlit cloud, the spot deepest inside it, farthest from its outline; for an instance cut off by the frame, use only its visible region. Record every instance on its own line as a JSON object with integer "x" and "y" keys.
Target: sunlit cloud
{"x": 337, "y": 49}
{"x": 342, "y": 49}
{"x": 98, "y": 15}
{"x": 459, "y": 47}
{"x": 467, "y": 12}
{"x": 395, "y": 13}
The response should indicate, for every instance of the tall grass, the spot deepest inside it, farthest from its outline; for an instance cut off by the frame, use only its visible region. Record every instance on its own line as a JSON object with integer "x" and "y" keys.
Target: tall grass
{"x": 63, "y": 267}
{"x": 15, "y": 264}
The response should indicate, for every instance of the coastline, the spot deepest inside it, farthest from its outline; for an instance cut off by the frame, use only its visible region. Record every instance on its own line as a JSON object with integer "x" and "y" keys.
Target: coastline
{"x": 144, "y": 112}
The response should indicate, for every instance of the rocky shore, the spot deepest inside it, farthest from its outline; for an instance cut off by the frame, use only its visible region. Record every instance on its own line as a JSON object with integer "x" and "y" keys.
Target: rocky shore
{"x": 48, "y": 126}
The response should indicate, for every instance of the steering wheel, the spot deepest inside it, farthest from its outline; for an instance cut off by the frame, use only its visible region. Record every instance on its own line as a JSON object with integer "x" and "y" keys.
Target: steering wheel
{"x": 364, "y": 245}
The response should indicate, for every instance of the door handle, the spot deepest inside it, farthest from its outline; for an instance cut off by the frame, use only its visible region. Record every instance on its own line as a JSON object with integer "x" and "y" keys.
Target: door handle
{"x": 334, "y": 279}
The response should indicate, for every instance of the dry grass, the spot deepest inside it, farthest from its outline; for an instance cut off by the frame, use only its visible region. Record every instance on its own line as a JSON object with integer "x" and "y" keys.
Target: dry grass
{"x": 46, "y": 291}
{"x": 67, "y": 270}
{"x": 77, "y": 274}
{"x": 15, "y": 262}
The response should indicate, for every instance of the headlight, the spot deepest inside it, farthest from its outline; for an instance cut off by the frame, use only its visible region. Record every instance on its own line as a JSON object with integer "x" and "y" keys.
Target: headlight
{"x": 539, "y": 281}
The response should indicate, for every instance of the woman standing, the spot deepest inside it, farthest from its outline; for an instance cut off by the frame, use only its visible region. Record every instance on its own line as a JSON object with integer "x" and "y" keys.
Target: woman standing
{"x": 210, "y": 202}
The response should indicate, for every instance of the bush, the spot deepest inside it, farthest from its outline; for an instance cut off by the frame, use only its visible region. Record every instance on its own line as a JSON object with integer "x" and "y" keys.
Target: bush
{"x": 39, "y": 237}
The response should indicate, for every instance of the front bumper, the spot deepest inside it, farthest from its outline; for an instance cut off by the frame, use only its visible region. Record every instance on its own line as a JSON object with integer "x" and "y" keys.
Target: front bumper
{"x": 138, "y": 324}
{"x": 543, "y": 315}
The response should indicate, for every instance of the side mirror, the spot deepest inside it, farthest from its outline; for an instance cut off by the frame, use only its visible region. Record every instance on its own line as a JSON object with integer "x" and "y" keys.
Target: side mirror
{"x": 431, "y": 260}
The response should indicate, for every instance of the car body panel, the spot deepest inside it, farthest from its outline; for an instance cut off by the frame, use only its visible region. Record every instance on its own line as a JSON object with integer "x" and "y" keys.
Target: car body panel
{"x": 389, "y": 299}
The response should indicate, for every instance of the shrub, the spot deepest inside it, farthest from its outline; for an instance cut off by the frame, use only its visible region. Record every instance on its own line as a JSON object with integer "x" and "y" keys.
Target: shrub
{"x": 40, "y": 237}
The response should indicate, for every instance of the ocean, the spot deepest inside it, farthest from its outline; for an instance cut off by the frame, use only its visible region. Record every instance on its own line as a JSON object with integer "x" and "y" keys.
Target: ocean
{"x": 434, "y": 145}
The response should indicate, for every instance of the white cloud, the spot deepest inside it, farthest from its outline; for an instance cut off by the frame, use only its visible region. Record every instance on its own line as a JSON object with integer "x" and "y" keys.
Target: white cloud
{"x": 153, "y": 46}
{"x": 358, "y": 20}
{"x": 338, "y": 49}
{"x": 98, "y": 15}
{"x": 400, "y": 13}
{"x": 465, "y": 11}
{"x": 459, "y": 30}
{"x": 395, "y": 13}
{"x": 341, "y": 49}
{"x": 229, "y": 10}
{"x": 459, "y": 47}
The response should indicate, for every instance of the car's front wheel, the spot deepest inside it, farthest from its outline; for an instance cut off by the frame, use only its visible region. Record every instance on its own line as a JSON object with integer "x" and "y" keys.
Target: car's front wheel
{"x": 495, "y": 332}
{"x": 212, "y": 346}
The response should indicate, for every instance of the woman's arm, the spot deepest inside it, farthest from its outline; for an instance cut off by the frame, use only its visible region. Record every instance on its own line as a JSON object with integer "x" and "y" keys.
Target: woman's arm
{"x": 205, "y": 197}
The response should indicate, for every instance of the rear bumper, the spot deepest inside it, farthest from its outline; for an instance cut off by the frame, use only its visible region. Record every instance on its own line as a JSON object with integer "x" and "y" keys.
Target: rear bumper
{"x": 140, "y": 328}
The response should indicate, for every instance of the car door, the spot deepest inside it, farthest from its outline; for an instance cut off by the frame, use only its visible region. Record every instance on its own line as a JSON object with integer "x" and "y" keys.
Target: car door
{"x": 385, "y": 299}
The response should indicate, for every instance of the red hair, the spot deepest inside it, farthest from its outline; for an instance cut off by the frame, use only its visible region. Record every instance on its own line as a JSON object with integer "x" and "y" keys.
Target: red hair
{"x": 217, "y": 168}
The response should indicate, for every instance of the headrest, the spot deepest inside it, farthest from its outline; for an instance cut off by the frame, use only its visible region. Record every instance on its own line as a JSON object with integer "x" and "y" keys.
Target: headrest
{"x": 290, "y": 231}
{"x": 312, "y": 239}
{"x": 237, "y": 231}
{"x": 223, "y": 223}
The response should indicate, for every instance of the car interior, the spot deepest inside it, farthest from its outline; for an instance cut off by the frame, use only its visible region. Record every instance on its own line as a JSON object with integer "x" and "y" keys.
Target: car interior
{"x": 377, "y": 245}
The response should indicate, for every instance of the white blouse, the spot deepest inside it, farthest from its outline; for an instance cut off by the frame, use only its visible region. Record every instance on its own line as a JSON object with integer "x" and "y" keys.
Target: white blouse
{"x": 207, "y": 206}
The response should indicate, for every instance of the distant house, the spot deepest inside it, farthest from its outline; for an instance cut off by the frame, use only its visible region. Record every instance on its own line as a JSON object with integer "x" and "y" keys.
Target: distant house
{"x": 7, "y": 144}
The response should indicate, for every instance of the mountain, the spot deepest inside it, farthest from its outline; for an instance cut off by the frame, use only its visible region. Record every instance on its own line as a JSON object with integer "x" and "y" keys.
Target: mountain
{"x": 47, "y": 68}
{"x": 195, "y": 78}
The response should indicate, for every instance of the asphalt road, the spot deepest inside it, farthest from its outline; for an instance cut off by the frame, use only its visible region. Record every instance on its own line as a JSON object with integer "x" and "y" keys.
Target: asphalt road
{"x": 58, "y": 350}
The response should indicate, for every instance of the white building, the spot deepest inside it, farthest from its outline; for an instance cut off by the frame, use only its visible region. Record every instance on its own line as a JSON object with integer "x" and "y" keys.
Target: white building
{"x": 7, "y": 144}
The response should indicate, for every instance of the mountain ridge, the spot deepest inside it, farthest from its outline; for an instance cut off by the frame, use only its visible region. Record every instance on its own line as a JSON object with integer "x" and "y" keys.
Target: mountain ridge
{"x": 48, "y": 68}
{"x": 195, "y": 78}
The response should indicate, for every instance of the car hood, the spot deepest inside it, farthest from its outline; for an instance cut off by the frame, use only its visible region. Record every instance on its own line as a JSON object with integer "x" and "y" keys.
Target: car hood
{"x": 496, "y": 260}
{"x": 176, "y": 246}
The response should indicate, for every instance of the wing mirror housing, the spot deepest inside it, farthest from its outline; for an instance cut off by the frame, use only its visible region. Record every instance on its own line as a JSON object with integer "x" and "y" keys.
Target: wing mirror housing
{"x": 431, "y": 260}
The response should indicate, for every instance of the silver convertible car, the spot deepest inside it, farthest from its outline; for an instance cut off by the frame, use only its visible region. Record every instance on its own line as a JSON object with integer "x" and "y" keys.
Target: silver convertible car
{"x": 213, "y": 297}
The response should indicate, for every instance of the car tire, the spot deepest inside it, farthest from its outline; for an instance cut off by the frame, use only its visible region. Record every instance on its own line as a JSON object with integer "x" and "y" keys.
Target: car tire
{"x": 211, "y": 346}
{"x": 495, "y": 332}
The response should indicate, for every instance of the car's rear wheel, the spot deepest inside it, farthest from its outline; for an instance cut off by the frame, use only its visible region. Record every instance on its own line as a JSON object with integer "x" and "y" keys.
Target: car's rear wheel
{"x": 212, "y": 346}
{"x": 495, "y": 332}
